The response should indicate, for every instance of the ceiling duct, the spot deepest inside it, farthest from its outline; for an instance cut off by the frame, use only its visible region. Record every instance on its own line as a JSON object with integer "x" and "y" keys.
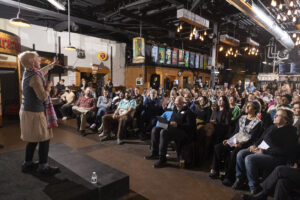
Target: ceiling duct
{"x": 253, "y": 11}
{"x": 251, "y": 42}
{"x": 192, "y": 18}
{"x": 229, "y": 40}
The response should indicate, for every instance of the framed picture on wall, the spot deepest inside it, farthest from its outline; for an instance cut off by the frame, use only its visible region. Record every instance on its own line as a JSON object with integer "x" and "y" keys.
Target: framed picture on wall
{"x": 192, "y": 60}
{"x": 161, "y": 55}
{"x": 186, "y": 58}
{"x": 169, "y": 56}
{"x": 174, "y": 56}
{"x": 154, "y": 54}
{"x": 181, "y": 57}
{"x": 197, "y": 60}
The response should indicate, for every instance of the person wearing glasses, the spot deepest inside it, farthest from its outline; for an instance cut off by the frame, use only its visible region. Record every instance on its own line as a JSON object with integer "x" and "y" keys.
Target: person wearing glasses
{"x": 275, "y": 147}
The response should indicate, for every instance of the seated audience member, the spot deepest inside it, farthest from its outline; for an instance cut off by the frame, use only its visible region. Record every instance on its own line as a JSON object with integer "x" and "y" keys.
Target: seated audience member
{"x": 264, "y": 116}
{"x": 220, "y": 118}
{"x": 116, "y": 100}
{"x": 275, "y": 147}
{"x": 180, "y": 129}
{"x": 296, "y": 98}
{"x": 296, "y": 110}
{"x": 285, "y": 101}
{"x": 68, "y": 97}
{"x": 152, "y": 108}
{"x": 235, "y": 110}
{"x": 247, "y": 131}
{"x": 61, "y": 86}
{"x": 139, "y": 99}
{"x": 103, "y": 104}
{"x": 122, "y": 115}
{"x": 84, "y": 104}
{"x": 188, "y": 101}
{"x": 83, "y": 85}
{"x": 203, "y": 114}
{"x": 284, "y": 181}
{"x": 170, "y": 104}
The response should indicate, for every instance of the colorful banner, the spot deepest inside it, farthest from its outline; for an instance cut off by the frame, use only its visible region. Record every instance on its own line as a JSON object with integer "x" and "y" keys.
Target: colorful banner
{"x": 181, "y": 57}
{"x": 192, "y": 60}
{"x": 197, "y": 60}
{"x": 9, "y": 43}
{"x": 154, "y": 54}
{"x": 169, "y": 56}
{"x": 205, "y": 62}
{"x": 138, "y": 50}
{"x": 186, "y": 59}
{"x": 201, "y": 61}
{"x": 161, "y": 55}
{"x": 174, "y": 56}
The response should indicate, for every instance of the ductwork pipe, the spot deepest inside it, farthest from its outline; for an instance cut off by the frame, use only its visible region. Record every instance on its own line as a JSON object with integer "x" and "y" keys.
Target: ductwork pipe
{"x": 253, "y": 11}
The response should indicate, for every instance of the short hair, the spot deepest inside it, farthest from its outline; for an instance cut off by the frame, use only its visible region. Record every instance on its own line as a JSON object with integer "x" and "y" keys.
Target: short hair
{"x": 289, "y": 114}
{"x": 63, "y": 80}
{"x": 234, "y": 97}
{"x": 296, "y": 103}
{"x": 256, "y": 105}
{"x": 153, "y": 91}
{"x": 26, "y": 58}
{"x": 180, "y": 98}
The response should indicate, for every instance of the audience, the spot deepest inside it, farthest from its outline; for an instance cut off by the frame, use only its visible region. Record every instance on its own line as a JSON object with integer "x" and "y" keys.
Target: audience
{"x": 68, "y": 98}
{"x": 85, "y": 103}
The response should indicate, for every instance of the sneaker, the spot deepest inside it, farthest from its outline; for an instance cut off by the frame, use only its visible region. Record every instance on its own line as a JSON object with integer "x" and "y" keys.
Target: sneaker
{"x": 119, "y": 141}
{"x": 152, "y": 157}
{"x": 29, "y": 167}
{"x": 93, "y": 126}
{"x": 105, "y": 138}
{"x": 162, "y": 162}
{"x": 101, "y": 134}
{"x": 48, "y": 171}
{"x": 214, "y": 175}
{"x": 64, "y": 118}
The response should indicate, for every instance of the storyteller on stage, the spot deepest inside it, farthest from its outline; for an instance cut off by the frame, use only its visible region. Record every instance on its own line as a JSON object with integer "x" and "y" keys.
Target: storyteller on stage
{"x": 37, "y": 115}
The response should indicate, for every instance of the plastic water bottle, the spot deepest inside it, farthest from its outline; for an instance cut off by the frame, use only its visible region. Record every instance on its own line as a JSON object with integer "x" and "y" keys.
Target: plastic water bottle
{"x": 94, "y": 178}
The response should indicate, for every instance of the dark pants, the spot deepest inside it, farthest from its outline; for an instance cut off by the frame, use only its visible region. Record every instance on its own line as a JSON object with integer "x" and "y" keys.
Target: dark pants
{"x": 228, "y": 155}
{"x": 66, "y": 110}
{"x": 285, "y": 181}
{"x": 161, "y": 137}
{"x": 43, "y": 151}
{"x": 100, "y": 113}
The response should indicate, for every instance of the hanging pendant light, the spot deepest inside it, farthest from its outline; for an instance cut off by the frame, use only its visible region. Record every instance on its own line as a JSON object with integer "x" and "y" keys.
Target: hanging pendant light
{"x": 294, "y": 19}
{"x": 69, "y": 47}
{"x": 280, "y": 6}
{"x": 273, "y": 3}
{"x": 19, "y": 21}
{"x": 291, "y": 3}
{"x": 289, "y": 12}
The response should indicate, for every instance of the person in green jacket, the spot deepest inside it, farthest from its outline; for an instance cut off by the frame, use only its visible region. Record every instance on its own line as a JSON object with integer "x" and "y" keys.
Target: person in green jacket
{"x": 235, "y": 110}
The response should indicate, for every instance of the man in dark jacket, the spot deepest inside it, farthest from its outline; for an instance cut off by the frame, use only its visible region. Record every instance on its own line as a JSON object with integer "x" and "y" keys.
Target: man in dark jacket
{"x": 181, "y": 129}
{"x": 276, "y": 146}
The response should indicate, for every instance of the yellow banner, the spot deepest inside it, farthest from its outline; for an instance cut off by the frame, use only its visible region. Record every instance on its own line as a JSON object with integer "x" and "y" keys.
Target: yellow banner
{"x": 9, "y": 43}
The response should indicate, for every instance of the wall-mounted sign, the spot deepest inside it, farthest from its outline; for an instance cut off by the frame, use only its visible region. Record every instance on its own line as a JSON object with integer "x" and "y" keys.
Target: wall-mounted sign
{"x": 154, "y": 54}
{"x": 169, "y": 56}
{"x": 197, "y": 60}
{"x": 139, "y": 81}
{"x": 181, "y": 57}
{"x": 9, "y": 43}
{"x": 138, "y": 50}
{"x": 186, "y": 59}
{"x": 161, "y": 55}
{"x": 102, "y": 56}
{"x": 174, "y": 56}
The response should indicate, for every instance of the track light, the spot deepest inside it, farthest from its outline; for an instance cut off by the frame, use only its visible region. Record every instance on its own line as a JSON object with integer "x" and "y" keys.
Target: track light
{"x": 19, "y": 21}
{"x": 57, "y": 4}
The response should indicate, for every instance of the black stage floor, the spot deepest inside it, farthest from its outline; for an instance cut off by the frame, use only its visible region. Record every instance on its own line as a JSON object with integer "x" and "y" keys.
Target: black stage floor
{"x": 66, "y": 185}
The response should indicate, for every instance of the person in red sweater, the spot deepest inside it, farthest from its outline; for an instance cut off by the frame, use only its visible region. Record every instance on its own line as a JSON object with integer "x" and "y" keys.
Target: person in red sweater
{"x": 84, "y": 104}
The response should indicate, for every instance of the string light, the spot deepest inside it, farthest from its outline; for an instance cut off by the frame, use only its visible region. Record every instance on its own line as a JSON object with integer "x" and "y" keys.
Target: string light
{"x": 294, "y": 19}
{"x": 273, "y": 3}
{"x": 278, "y": 17}
{"x": 280, "y": 6}
{"x": 291, "y": 3}
{"x": 295, "y": 12}
{"x": 221, "y": 48}
{"x": 289, "y": 12}
{"x": 180, "y": 27}
{"x": 205, "y": 33}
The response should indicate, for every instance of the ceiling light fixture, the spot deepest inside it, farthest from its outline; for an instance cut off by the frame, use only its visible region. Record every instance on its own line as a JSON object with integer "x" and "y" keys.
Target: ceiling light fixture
{"x": 280, "y": 6}
{"x": 69, "y": 47}
{"x": 294, "y": 19}
{"x": 57, "y": 4}
{"x": 291, "y": 4}
{"x": 289, "y": 12}
{"x": 273, "y": 3}
{"x": 19, "y": 21}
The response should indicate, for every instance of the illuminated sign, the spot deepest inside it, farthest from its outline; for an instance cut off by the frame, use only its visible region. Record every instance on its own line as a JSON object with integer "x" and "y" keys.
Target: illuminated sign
{"x": 9, "y": 43}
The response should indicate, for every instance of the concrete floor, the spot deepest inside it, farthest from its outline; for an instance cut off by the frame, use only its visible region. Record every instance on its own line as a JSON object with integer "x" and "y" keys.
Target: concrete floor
{"x": 170, "y": 183}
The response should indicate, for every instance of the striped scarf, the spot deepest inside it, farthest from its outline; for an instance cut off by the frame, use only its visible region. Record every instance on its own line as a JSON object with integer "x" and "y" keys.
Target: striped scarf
{"x": 49, "y": 109}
